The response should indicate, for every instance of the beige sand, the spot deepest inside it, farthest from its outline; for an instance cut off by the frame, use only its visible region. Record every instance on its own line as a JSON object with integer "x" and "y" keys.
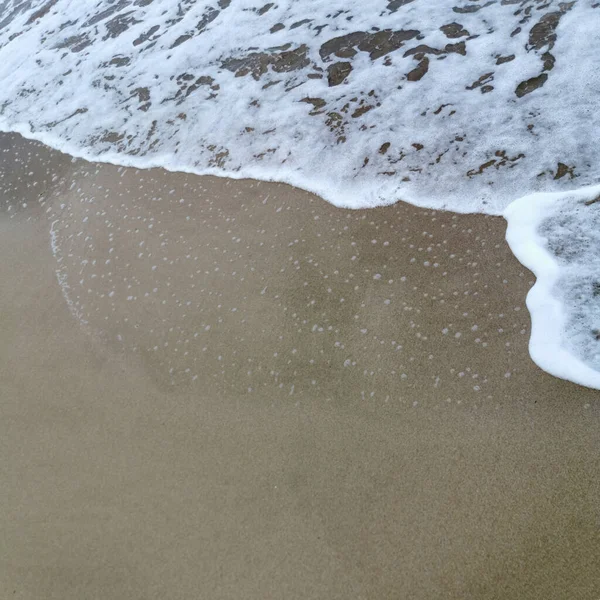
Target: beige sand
{"x": 262, "y": 396}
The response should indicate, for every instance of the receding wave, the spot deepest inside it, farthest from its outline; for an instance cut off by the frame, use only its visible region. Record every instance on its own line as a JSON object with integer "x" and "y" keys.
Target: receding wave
{"x": 465, "y": 105}
{"x": 557, "y": 236}
{"x": 459, "y": 104}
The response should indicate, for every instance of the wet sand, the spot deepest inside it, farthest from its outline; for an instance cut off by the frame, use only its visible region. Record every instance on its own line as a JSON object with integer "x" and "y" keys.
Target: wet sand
{"x": 231, "y": 389}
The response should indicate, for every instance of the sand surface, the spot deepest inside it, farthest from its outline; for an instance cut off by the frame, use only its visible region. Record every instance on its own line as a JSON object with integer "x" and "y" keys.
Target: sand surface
{"x": 219, "y": 389}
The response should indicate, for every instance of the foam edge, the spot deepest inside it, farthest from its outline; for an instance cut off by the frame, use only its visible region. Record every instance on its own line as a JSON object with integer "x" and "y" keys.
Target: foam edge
{"x": 547, "y": 313}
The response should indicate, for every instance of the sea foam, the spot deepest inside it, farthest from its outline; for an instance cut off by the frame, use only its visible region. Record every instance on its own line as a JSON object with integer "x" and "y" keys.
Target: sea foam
{"x": 557, "y": 236}
{"x": 454, "y": 104}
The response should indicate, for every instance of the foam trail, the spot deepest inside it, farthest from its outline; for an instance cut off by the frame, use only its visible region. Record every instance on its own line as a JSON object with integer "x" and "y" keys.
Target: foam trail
{"x": 61, "y": 277}
{"x": 557, "y": 236}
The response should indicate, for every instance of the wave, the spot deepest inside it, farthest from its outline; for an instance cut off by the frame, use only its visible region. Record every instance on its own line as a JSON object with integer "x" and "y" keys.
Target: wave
{"x": 456, "y": 105}
{"x": 557, "y": 236}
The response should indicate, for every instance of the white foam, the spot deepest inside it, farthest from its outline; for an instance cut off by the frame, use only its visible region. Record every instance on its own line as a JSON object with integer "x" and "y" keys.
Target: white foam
{"x": 556, "y": 236}
{"x": 60, "y": 87}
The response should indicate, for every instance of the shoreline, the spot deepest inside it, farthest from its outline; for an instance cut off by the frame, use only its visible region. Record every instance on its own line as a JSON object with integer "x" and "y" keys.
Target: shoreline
{"x": 126, "y": 161}
{"x": 545, "y": 343}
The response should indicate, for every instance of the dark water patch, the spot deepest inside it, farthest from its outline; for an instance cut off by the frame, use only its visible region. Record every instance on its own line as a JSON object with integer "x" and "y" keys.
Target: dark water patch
{"x": 505, "y": 59}
{"x": 530, "y": 85}
{"x": 109, "y": 137}
{"x": 502, "y": 160}
{"x": 338, "y": 72}
{"x": 42, "y": 12}
{"x": 454, "y": 30}
{"x": 117, "y": 61}
{"x": 562, "y": 170}
{"x": 337, "y": 125}
{"x": 220, "y": 156}
{"x": 593, "y": 200}
{"x": 258, "y": 63}
{"x": 394, "y": 5}
{"x": 419, "y": 71}
{"x": 543, "y": 33}
{"x": 265, "y": 8}
{"x": 458, "y": 48}
{"x": 300, "y": 23}
{"x": 106, "y": 13}
{"x": 209, "y": 16}
{"x": 119, "y": 24}
{"x": 5, "y": 7}
{"x": 76, "y": 43}
{"x": 143, "y": 96}
{"x": 317, "y": 104}
{"x": 79, "y": 111}
{"x": 482, "y": 83}
{"x": 181, "y": 39}
{"x": 377, "y": 44}
{"x": 144, "y": 37}
{"x": 361, "y": 110}
{"x": 471, "y": 8}
{"x": 422, "y": 49}
{"x": 188, "y": 84}
{"x": 202, "y": 81}
{"x": 548, "y": 60}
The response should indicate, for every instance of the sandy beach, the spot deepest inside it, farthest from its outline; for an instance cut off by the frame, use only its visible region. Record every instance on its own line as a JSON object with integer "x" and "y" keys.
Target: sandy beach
{"x": 231, "y": 389}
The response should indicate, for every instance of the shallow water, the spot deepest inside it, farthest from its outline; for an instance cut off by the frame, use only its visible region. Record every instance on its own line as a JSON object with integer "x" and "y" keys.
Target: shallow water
{"x": 459, "y": 106}
{"x": 263, "y": 286}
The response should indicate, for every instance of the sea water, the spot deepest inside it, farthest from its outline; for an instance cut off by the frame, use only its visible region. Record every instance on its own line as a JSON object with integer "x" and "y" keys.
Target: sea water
{"x": 464, "y": 105}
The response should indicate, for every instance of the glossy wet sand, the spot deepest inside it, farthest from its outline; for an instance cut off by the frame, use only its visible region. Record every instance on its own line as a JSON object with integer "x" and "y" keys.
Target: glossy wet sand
{"x": 262, "y": 396}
